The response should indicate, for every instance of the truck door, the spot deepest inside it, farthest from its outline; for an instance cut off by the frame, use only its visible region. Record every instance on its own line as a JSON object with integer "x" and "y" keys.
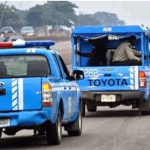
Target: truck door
{"x": 70, "y": 90}
{"x": 64, "y": 88}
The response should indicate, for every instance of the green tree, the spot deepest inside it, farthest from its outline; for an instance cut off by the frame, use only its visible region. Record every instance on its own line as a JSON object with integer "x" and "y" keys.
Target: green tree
{"x": 35, "y": 16}
{"x": 98, "y": 18}
{"x": 22, "y": 18}
{"x": 61, "y": 13}
{"x": 52, "y": 13}
{"x": 10, "y": 18}
{"x": 108, "y": 18}
{"x": 87, "y": 20}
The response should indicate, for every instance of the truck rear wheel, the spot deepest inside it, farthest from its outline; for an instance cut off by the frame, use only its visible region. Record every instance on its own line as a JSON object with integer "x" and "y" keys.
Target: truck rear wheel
{"x": 91, "y": 108}
{"x": 144, "y": 107}
{"x": 76, "y": 127}
{"x": 145, "y": 112}
{"x": 54, "y": 132}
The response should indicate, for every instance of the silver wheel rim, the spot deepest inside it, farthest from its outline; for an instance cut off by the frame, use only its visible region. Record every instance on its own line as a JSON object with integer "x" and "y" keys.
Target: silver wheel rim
{"x": 80, "y": 121}
{"x": 59, "y": 128}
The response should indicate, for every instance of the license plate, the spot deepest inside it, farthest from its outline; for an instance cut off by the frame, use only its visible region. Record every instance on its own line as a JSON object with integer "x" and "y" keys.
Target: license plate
{"x": 108, "y": 98}
{"x": 4, "y": 122}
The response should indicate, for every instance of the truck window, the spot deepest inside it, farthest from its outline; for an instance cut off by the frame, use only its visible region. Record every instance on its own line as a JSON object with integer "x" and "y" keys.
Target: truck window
{"x": 58, "y": 66}
{"x": 67, "y": 75}
{"x": 24, "y": 65}
{"x": 101, "y": 53}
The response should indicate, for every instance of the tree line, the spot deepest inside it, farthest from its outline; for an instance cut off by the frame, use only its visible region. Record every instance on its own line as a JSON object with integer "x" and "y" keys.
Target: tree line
{"x": 54, "y": 13}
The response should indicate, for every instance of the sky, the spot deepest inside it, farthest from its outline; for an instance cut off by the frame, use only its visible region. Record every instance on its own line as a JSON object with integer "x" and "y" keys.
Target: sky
{"x": 132, "y": 12}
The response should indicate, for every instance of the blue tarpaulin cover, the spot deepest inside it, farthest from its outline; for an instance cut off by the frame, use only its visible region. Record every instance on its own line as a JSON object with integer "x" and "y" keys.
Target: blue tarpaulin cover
{"x": 90, "y": 32}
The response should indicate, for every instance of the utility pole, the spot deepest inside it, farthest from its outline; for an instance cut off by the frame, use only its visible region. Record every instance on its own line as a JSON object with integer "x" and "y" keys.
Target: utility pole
{"x": 2, "y": 14}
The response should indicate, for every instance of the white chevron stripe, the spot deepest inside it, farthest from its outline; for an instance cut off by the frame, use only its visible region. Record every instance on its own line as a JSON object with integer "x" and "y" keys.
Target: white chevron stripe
{"x": 14, "y": 103}
{"x": 15, "y": 108}
{"x": 131, "y": 70}
{"x": 14, "y": 89}
{"x": 14, "y": 96}
{"x": 131, "y": 81}
{"x": 14, "y": 83}
{"x": 131, "y": 87}
{"x": 132, "y": 78}
{"x": 136, "y": 78}
{"x": 131, "y": 75}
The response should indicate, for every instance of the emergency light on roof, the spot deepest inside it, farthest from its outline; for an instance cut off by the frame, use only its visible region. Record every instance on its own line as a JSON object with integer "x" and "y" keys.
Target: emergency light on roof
{"x": 107, "y": 29}
{"x": 24, "y": 44}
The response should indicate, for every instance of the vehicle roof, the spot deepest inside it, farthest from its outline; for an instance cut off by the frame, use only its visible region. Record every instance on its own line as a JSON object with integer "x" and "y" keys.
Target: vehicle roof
{"x": 7, "y": 27}
{"x": 27, "y": 27}
{"x": 108, "y": 29}
{"x": 27, "y": 51}
{"x": 15, "y": 37}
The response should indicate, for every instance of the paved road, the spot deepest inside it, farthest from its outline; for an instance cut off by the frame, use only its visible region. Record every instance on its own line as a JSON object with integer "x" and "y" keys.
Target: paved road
{"x": 107, "y": 129}
{"x": 64, "y": 48}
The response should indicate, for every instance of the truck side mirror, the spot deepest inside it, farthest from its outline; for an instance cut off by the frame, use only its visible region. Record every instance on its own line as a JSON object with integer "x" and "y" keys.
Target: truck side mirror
{"x": 77, "y": 74}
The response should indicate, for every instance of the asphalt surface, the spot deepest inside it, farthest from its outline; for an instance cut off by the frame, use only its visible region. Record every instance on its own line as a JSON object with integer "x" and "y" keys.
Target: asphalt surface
{"x": 106, "y": 129}
{"x": 64, "y": 48}
{"x": 119, "y": 128}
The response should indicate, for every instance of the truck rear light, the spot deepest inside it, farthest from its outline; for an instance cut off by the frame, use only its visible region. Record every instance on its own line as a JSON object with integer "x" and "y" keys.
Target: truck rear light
{"x": 142, "y": 79}
{"x": 72, "y": 75}
{"x": 47, "y": 98}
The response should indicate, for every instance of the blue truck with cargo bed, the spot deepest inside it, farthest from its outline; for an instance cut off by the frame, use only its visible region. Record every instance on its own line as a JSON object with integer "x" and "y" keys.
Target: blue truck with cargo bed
{"x": 110, "y": 85}
{"x": 37, "y": 92}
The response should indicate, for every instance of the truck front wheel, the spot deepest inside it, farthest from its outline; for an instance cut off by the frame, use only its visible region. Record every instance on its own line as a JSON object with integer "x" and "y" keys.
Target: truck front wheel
{"x": 76, "y": 127}
{"x": 54, "y": 131}
{"x": 83, "y": 111}
{"x": 1, "y": 132}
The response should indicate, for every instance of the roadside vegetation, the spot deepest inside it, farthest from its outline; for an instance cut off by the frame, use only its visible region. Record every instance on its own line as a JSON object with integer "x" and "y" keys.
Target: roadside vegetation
{"x": 54, "y": 13}
{"x": 53, "y": 19}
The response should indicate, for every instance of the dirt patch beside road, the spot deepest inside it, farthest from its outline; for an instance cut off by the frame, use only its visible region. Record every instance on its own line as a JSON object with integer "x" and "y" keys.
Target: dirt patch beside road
{"x": 54, "y": 38}
{"x": 64, "y": 49}
{"x": 66, "y": 55}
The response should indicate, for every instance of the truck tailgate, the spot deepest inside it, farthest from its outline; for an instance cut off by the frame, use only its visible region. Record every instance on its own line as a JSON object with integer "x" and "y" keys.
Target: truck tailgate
{"x": 114, "y": 78}
{"x": 21, "y": 94}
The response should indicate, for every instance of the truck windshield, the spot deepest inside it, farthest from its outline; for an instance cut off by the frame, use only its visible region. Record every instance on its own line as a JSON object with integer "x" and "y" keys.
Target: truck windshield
{"x": 23, "y": 66}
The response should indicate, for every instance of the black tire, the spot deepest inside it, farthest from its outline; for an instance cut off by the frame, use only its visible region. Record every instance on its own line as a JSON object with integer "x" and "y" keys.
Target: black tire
{"x": 54, "y": 132}
{"x": 144, "y": 113}
{"x": 91, "y": 108}
{"x": 77, "y": 124}
{"x": 83, "y": 109}
{"x": 1, "y": 132}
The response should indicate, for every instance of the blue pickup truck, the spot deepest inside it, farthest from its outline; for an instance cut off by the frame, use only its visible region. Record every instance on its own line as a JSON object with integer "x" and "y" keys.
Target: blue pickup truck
{"x": 106, "y": 84}
{"x": 37, "y": 92}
